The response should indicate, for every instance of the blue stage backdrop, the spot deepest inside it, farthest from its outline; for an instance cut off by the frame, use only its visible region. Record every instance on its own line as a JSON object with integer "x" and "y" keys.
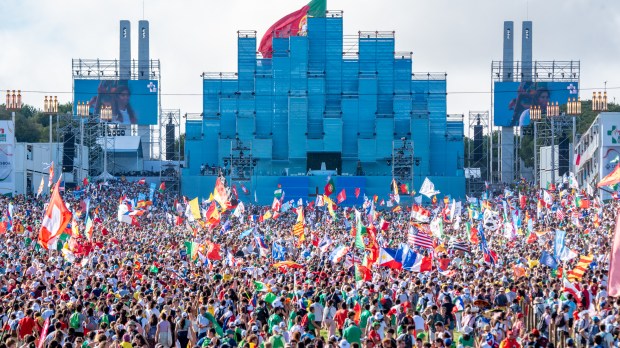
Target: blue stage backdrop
{"x": 512, "y": 100}
{"x": 132, "y": 101}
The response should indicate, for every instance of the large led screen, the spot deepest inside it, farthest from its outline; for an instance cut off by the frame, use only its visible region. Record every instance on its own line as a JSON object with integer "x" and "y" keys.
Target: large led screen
{"x": 131, "y": 101}
{"x": 512, "y": 100}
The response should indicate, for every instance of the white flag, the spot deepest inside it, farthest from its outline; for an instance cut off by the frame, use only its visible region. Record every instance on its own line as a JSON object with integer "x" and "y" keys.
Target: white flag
{"x": 418, "y": 200}
{"x": 40, "y": 190}
{"x": 572, "y": 181}
{"x": 428, "y": 188}
{"x": 452, "y": 209}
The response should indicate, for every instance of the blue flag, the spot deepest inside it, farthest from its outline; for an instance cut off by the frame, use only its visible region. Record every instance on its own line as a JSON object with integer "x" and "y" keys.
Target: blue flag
{"x": 277, "y": 252}
{"x": 548, "y": 260}
{"x": 559, "y": 243}
{"x": 151, "y": 191}
{"x": 246, "y": 233}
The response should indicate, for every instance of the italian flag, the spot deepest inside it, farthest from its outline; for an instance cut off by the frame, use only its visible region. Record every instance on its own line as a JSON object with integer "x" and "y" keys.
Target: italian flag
{"x": 293, "y": 24}
{"x": 360, "y": 230}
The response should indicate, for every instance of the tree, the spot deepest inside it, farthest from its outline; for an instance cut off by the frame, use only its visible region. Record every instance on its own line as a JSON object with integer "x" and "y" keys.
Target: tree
{"x": 180, "y": 142}
{"x": 32, "y": 125}
{"x": 583, "y": 122}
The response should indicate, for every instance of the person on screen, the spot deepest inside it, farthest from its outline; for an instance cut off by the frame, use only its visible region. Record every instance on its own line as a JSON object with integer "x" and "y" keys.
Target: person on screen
{"x": 104, "y": 97}
{"x": 122, "y": 110}
{"x": 541, "y": 99}
{"x": 522, "y": 103}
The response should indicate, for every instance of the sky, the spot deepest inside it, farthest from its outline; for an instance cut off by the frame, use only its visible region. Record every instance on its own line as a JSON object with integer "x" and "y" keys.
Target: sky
{"x": 39, "y": 38}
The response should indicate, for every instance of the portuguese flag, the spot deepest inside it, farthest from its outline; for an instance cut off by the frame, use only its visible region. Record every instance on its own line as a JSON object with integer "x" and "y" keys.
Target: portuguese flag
{"x": 291, "y": 25}
{"x": 330, "y": 187}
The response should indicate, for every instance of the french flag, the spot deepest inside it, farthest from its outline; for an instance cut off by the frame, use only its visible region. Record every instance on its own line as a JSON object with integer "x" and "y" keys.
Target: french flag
{"x": 412, "y": 261}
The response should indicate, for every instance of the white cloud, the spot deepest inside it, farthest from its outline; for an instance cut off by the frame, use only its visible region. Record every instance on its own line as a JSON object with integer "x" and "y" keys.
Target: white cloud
{"x": 39, "y": 38}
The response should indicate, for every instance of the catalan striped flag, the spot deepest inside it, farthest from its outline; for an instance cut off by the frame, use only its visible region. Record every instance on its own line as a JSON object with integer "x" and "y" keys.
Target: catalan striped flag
{"x": 298, "y": 231}
{"x": 581, "y": 268}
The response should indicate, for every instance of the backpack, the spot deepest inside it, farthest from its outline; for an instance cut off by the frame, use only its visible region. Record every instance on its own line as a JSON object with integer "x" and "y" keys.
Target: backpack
{"x": 560, "y": 321}
{"x": 74, "y": 320}
{"x": 542, "y": 325}
{"x": 408, "y": 343}
{"x": 261, "y": 315}
{"x": 92, "y": 324}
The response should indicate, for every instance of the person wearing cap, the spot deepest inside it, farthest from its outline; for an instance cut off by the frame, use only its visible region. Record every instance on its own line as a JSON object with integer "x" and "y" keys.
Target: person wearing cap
{"x": 510, "y": 341}
{"x": 582, "y": 328}
{"x": 182, "y": 327}
{"x": 126, "y": 343}
{"x": 352, "y": 333}
{"x": 276, "y": 340}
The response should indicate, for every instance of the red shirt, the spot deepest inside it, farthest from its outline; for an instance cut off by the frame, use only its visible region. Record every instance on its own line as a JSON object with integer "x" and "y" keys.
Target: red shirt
{"x": 26, "y": 325}
{"x": 340, "y": 317}
{"x": 373, "y": 338}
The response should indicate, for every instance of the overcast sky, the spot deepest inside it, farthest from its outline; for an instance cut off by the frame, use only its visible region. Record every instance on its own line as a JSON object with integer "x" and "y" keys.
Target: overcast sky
{"x": 39, "y": 38}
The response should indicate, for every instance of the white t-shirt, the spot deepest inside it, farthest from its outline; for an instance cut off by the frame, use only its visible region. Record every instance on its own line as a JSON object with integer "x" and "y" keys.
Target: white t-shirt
{"x": 317, "y": 309}
{"x": 419, "y": 323}
{"x": 202, "y": 321}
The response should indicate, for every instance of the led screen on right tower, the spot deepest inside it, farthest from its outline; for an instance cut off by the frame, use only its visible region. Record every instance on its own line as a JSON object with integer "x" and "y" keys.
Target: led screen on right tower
{"x": 512, "y": 100}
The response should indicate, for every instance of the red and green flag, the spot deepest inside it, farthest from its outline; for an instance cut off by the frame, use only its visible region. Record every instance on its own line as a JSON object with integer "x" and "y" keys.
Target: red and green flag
{"x": 162, "y": 186}
{"x": 330, "y": 187}
{"x": 293, "y": 24}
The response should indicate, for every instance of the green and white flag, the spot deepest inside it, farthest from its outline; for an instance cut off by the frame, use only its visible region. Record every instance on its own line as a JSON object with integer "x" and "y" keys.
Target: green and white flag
{"x": 260, "y": 286}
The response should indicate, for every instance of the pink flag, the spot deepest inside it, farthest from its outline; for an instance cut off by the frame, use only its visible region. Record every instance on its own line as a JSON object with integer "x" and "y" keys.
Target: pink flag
{"x": 614, "y": 269}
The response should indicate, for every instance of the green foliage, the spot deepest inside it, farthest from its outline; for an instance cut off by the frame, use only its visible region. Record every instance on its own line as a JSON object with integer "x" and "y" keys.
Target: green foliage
{"x": 31, "y": 124}
{"x": 181, "y": 143}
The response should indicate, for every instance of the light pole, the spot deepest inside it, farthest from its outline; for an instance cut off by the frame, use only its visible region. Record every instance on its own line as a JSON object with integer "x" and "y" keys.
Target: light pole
{"x": 50, "y": 106}
{"x": 553, "y": 111}
{"x": 82, "y": 112}
{"x": 13, "y": 103}
{"x": 535, "y": 117}
{"x": 105, "y": 115}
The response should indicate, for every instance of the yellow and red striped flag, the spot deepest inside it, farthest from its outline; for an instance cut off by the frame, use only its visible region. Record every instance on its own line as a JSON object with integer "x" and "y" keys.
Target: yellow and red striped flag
{"x": 581, "y": 268}
{"x": 298, "y": 231}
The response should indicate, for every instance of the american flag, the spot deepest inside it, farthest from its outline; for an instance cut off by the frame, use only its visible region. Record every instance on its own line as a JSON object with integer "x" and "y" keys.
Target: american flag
{"x": 420, "y": 239}
{"x": 559, "y": 214}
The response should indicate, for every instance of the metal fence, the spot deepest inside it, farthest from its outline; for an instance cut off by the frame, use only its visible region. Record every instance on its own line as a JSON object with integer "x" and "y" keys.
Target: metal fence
{"x": 532, "y": 317}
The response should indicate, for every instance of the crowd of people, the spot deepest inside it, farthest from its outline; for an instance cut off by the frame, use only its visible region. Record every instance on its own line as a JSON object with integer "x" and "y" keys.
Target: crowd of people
{"x": 307, "y": 274}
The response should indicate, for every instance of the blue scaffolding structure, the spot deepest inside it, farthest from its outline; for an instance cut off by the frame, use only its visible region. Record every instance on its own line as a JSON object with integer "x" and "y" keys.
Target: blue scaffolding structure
{"x": 317, "y": 101}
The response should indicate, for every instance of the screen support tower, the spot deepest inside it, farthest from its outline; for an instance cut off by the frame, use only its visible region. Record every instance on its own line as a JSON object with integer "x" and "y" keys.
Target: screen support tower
{"x": 67, "y": 124}
{"x": 241, "y": 163}
{"x": 478, "y": 151}
{"x": 170, "y": 148}
{"x": 547, "y": 132}
{"x": 402, "y": 161}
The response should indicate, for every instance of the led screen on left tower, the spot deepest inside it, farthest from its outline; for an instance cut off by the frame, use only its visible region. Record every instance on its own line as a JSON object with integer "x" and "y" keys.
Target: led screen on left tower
{"x": 130, "y": 101}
